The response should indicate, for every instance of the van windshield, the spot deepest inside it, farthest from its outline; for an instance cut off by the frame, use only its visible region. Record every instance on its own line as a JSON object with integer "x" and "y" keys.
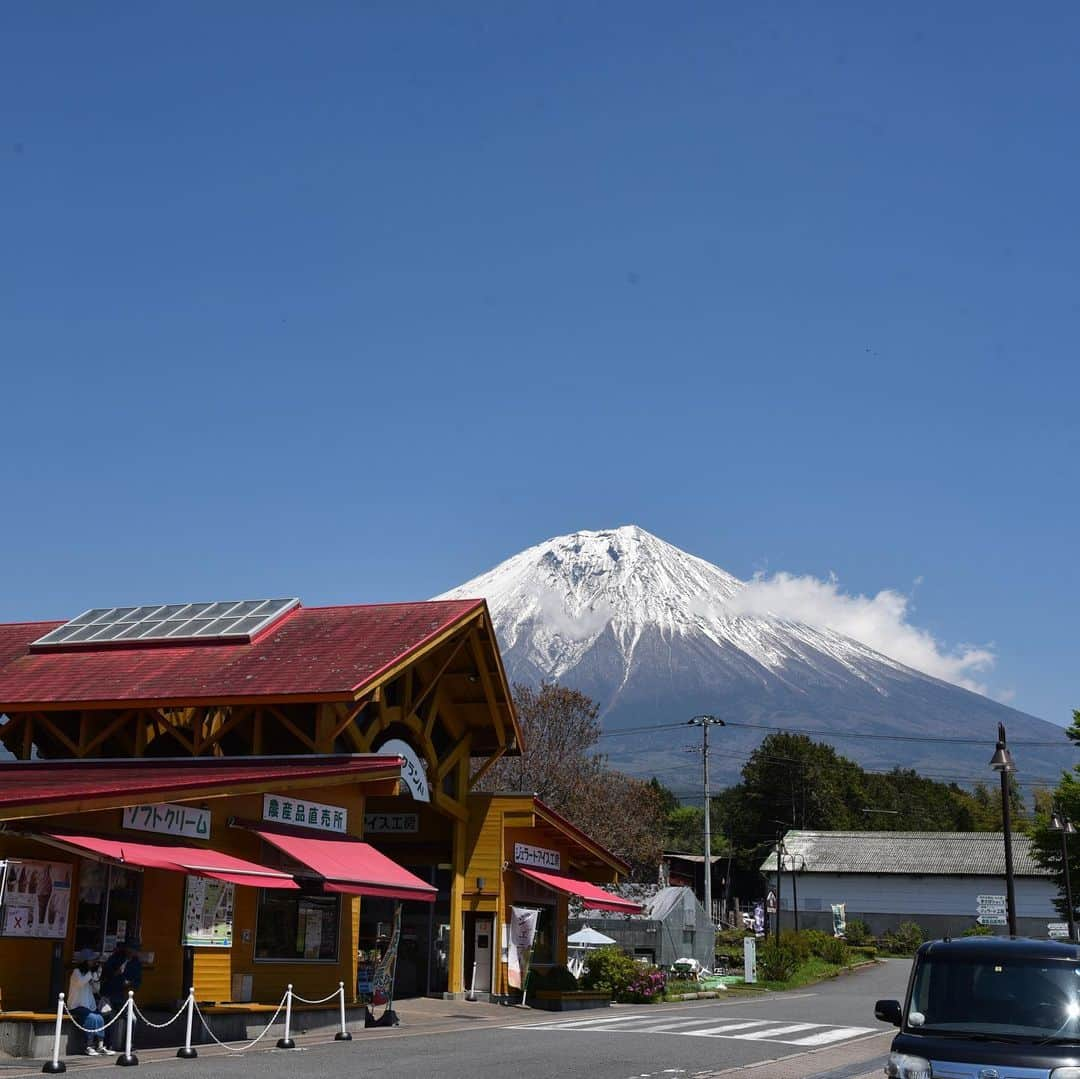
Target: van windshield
{"x": 1029, "y": 998}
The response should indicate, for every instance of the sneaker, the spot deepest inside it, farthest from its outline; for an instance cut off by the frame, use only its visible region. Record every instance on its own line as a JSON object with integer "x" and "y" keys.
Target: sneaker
{"x": 91, "y": 1051}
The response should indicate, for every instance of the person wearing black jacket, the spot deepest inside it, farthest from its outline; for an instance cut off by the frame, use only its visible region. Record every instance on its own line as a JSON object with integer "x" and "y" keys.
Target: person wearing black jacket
{"x": 122, "y": 972}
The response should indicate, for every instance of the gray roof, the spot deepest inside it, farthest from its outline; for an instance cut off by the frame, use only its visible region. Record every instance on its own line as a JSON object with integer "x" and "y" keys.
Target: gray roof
{"x": 952, "y": 854}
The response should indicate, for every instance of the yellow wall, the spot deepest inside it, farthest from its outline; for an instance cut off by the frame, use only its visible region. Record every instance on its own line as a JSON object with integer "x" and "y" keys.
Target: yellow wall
{"x": 25, "y": 963}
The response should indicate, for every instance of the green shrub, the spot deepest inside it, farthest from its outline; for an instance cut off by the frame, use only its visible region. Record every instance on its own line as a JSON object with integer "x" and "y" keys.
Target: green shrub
{"x": 857, "y": 932}
{"x": 835, "y": 950}
{"x": 730, "y": 940}
{"x": 611, "y": 970}
{"x": 903, "y": 940}
{"x": 554, "y": 978}
{"x": 777, "y": 961}
{"x": 816, "y": 941}
{"x": 868, "y": 951}
{"x": 799, "y": 943}
{"x": 978, "y": 931}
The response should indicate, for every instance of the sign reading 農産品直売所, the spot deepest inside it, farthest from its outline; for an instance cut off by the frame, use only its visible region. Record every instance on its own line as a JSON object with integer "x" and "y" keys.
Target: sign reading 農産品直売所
{"x": 169, "y": 820}
{"x": 537, "y": 857}
{"x": 285, "y": 809}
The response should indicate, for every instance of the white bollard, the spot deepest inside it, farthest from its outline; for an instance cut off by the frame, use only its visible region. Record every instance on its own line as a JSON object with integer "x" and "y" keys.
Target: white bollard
{"x": 188, "y": 1052}
{"x": 56, "y": 1065}
{"x": 128, "y": 1059}
{"x": 343, "y": 1034}
{"x": 287, "y": 1042}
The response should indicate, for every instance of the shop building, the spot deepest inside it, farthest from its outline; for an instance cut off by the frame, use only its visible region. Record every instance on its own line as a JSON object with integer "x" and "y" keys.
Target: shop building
{"x": 245, "y": 791}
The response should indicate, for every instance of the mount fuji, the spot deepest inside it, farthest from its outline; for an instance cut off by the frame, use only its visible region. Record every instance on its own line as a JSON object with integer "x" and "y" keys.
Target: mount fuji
{"x": 655, "y": 635}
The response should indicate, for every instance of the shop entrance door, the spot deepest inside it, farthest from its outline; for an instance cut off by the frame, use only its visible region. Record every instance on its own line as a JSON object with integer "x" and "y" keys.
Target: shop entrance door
{"x": 482, "y": 950}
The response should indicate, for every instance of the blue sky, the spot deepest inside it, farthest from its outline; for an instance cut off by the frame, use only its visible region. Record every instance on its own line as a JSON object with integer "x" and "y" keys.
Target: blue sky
{"x": 353, "y": 300}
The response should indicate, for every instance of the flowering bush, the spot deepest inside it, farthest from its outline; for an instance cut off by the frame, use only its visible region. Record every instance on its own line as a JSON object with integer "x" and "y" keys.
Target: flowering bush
{"x": 624, "y": 978}
{"x": 647, "y": 988}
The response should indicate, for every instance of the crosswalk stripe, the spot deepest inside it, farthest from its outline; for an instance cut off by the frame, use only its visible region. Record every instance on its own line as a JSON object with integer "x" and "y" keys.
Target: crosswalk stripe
{"x": 775, "y": 1032}
{"x": 724, "y": 1028}
{"x": 661, "y": 1027}
{"x": 577, "y": 1023}
{"x": 836, "y": 1034}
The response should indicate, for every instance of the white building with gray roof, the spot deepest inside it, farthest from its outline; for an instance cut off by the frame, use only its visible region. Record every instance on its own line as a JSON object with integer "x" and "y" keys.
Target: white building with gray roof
{"x": 885, "y": 878}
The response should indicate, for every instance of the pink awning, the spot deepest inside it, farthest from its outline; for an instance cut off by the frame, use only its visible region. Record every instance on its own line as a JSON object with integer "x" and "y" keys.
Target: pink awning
{"x": 198, "y": 861}
{"x": 352, "y": 867}
{"x": 593, "y": 896}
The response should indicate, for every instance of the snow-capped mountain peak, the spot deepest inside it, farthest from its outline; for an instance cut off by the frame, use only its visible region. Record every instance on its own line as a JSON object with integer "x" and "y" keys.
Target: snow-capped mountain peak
{"x": 653, "y": 633}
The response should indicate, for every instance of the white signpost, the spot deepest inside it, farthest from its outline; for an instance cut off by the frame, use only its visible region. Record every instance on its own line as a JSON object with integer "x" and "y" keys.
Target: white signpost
{"x": 1057, "y": 930}
{"x": 749, "y": 960}
{"x": 992, "y": 910}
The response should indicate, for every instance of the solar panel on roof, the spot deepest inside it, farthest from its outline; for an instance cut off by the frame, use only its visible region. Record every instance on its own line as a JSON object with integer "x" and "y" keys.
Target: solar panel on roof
{"x": 225, "y": 620}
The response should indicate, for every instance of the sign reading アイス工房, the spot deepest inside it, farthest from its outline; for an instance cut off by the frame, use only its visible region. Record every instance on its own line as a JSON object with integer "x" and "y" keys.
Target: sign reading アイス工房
{"x": 537, "y": 857}
{"x": 284, "y": 809}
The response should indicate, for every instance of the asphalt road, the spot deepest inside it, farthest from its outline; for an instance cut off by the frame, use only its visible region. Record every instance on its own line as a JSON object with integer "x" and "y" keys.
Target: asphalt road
{"x": 827, "y": 1030}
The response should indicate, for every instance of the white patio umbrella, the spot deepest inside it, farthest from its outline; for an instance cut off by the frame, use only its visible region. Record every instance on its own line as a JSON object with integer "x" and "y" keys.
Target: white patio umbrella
{"x": 588, "y": 938}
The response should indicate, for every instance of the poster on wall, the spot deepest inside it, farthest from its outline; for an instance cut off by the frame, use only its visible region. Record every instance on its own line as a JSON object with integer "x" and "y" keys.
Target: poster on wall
{"x": 37, "y": 899}
{"x": 839, "y": 919}
{"x": 208, "y": 913}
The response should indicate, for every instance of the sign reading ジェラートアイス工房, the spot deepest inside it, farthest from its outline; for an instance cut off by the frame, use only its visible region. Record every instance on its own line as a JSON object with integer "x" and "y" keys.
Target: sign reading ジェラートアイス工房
{"x": 285, "y": 809}
{"x": 537, "y": 857}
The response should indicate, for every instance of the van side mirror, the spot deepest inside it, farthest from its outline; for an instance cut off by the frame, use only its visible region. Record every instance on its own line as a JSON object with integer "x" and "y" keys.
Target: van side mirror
{"x": 888, "y": 1011}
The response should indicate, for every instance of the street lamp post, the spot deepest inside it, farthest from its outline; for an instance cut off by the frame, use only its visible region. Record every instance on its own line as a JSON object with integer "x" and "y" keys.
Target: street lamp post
{"x": 1060, "y": 823}
{"x": 1003, "y": 764}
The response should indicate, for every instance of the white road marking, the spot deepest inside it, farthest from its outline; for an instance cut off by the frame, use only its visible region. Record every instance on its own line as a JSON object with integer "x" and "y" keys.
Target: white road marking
{"x": 784, "y": 1031}
{"x": 836, "y": 1034}
{"x": 773, "y": 1033}
{"x": 712, "y": 1032}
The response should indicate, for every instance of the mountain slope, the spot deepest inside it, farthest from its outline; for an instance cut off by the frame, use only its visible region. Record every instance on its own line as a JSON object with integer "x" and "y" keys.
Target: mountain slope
{"x": 654, "y": 635}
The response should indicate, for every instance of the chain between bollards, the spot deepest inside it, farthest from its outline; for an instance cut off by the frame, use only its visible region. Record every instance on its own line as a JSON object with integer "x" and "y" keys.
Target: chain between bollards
{"x": 56, "y": 1065}
{"x": 287, "y": 1042}
{"x": 343, "y": 1034}
{"x": 128, "y": 1059}
{"x": 188, "y": 1052}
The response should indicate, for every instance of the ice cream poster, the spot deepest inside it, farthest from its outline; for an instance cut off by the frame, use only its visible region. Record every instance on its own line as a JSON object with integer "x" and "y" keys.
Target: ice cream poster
{"x": 37, "y": 899}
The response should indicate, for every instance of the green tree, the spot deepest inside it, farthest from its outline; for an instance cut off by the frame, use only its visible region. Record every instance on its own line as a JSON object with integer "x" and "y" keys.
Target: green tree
{"x": 1046, "y": 844}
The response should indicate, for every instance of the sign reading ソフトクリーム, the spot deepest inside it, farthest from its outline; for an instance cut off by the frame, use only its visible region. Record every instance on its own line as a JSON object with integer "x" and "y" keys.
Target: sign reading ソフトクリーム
{"x": 538, "y": 857}
{"x": 169, "y": 820}
{"x": 304, "y": 813}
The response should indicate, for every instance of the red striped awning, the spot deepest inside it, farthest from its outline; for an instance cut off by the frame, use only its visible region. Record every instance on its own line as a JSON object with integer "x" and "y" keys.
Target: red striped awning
{"x": 352, "y": 867}
{"x": 197, "y": 861}
{"x": 593, "y": 896}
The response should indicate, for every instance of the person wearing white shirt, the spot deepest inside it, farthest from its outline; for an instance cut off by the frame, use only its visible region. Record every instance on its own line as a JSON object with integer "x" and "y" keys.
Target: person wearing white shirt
{"x": 82, "y": 1001}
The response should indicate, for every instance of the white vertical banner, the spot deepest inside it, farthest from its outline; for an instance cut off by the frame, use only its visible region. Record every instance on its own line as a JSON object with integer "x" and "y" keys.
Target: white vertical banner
{"x": 522, "y": 935}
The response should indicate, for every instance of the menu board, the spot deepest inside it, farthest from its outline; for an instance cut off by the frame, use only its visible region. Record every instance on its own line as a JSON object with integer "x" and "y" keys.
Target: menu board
{"x": 37, "y": 899}
{"x": 208, "y": 913}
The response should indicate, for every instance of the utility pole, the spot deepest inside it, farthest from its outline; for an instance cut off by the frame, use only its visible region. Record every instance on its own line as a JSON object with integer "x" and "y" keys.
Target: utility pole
{"x": 705, "y": 722}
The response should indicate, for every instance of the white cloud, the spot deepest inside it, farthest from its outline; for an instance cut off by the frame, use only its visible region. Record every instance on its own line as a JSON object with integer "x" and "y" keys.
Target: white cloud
{"x": 882, "y": 622}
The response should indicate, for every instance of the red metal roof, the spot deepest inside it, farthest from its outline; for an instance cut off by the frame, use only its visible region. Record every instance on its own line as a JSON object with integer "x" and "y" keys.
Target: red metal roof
{"x": 26, "y": 783}
{"x": 313, "y": 653}
{"x": 351, "y": 866}
{"x": 200, "y": 861}
{"x": 594, "y": 896}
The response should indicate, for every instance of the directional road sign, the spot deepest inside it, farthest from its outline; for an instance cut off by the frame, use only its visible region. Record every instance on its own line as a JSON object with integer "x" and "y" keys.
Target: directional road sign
{"x": 992, "y": 919}
{"x": 1057, "y": 929}
{"x": 991, "y": 901}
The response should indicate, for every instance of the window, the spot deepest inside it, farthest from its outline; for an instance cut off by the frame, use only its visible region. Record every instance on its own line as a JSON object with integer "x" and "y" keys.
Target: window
{"x": 292, "y": 927}
{"x": 109, "y": 899}
{"x": 688, "y": 936}
{"x": 544, "y": 941}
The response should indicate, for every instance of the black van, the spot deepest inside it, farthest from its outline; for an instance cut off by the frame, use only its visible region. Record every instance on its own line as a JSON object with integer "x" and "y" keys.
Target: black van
{"x": 988, "y": 1008}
